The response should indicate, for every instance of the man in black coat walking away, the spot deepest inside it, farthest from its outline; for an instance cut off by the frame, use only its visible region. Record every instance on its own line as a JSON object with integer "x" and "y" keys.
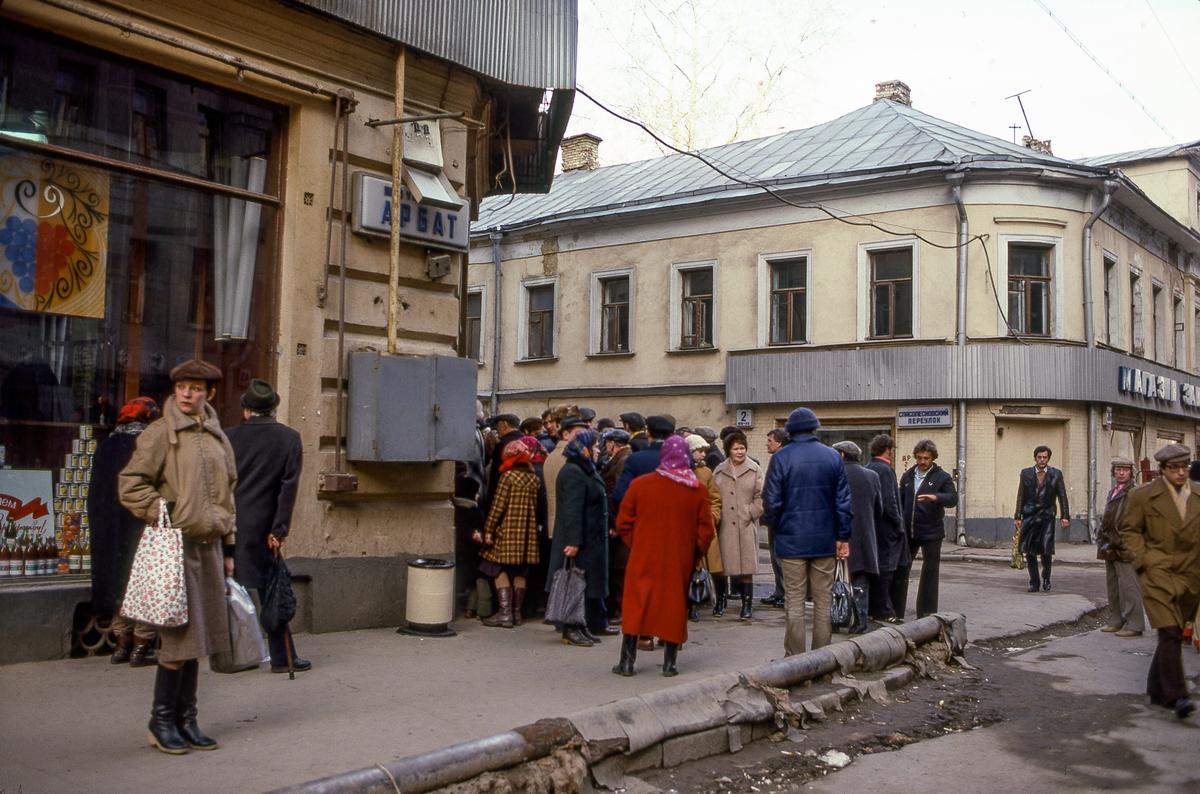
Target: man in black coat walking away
{"x": 1041, "y": 486}
{"x": 890, "y": 536}
{"x": 269, "y": 457}
{"x": 866, "y": 504}
{"x": 926, "y": 490}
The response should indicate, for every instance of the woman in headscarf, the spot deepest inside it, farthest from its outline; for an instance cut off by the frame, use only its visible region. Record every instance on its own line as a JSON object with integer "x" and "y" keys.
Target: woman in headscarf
{"x": 116, "y": 533}
{"x": 510, "y": 536}
{"x": 666, "y": 519}
{"x": 581, "y": 531}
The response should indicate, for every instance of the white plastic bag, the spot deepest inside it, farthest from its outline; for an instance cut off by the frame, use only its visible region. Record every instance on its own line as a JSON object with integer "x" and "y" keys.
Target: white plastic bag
{"x": 247, "y": 648}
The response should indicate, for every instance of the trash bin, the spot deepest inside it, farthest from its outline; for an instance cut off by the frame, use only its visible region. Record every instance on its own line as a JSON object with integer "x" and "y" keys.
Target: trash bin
{"x": 429, "y": 598}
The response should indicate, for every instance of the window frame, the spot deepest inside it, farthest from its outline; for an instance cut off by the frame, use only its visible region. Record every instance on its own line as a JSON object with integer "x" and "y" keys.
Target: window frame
{"x": 1158, "y": 330}
{"x": 764, "y": 295}
{"x": 1178, "y": 331}
{"x": 1112, "y": 298}
{"x": 1137, "y": 312}
{"x": 481, "y": 291}
{"x": 675, "y": 315}
{"x": 1056, "y": 303}
{"x": 596, "y": 314}
{"x": 865, "y": 284}
{"x": 523, "y": 313}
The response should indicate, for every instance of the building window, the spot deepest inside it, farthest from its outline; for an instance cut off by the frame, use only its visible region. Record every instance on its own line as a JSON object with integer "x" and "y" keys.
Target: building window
{"x": 789, "y": 301}
{"x": 696, "y": 308}
{"x": 892, "y": 293}
{"x": 474, "y": 340}
{"x": 1137, "y": 341}
{"x": 1178, "y": 357}
{"x": 540, "y": 300}
{"x": 1157, "y": 332}
{"x": 614, "y": 314}
{"x": 1110, "y": 301}
{"x": 1029, "y": 270}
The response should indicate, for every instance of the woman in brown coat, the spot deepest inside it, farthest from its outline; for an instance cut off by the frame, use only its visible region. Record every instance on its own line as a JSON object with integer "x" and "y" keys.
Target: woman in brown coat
{"x": 185, "y": 459}
{"x": 1160, "y": 535}
{"x": 740, "y": 481}
{"x": 510, "y": 536}
{"x": 698, "y": 448}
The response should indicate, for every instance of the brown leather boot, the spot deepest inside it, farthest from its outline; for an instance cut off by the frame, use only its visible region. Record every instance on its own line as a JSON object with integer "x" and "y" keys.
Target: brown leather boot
{"x": 504, "y": 615}
{"x": 143, "y": 654}
{"x": 120, "y": 654}
{"x": 518, "y": 602}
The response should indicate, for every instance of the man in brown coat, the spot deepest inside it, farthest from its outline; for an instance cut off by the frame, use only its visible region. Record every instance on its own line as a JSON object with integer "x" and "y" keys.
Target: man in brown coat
{"x": 1160, "y": 534}
{"x": 1125, "y": 617}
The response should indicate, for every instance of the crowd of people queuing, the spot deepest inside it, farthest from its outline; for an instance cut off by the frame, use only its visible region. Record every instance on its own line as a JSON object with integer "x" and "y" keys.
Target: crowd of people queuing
{"x": 639, "y": 503}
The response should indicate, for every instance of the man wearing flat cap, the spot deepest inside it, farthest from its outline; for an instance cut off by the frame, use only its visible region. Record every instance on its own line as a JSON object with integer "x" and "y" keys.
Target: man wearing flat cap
{"x": 1160, "y": 536}
{"x": 1124, "y": 596}
{"x": 269, "y": 457}
{"x": 1041, "y": 485}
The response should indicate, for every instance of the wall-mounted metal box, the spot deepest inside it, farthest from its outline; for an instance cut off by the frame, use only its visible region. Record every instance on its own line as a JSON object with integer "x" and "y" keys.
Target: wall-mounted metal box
{"x": 411, "y": 409}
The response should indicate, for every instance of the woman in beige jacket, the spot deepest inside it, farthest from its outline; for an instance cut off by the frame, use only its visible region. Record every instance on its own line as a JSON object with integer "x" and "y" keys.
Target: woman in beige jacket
{"x": 698, "y": 448}
{"x": 740, "y": 481}
{"x": 185, "y": 459}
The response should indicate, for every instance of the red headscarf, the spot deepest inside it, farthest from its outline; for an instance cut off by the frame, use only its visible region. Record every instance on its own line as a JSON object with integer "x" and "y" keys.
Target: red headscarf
{"x": 515, "y": 454}
{"x": 139, "y": 409}
{"x": 537, "y": 453}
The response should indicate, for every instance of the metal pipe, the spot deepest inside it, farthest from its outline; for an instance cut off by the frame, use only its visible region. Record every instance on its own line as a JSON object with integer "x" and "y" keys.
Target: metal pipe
{"x": 129, "y": 26}
{"x": 402, "y": 119}
{"x": 136, "y": 169}
{"x": 960, "y": 340}
{"x": 341, "y": 346}
{"x": 1089, "y": 329}
{"x": 495, "y": 236}
{"x": 323, "y": 291}
{"x": 394, "y": 229}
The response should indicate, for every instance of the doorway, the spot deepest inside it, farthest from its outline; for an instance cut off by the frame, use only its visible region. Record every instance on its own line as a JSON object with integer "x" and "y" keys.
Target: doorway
{"x": 1015, "y": 442}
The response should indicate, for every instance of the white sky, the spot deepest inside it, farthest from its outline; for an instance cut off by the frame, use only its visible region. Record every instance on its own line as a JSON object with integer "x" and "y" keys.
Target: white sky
{"x": 961, "y": 59}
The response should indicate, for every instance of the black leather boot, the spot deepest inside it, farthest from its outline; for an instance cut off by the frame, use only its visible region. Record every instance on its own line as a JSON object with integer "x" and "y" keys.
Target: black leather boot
{"x": 693, "y": 613}
{"x": 164, "y": 735}
{"x": 719, "y": 604}
{"x": 143, "y": 654}
{"x": 629, "y": 643}
{"x": 670, "y": 651}
{"x": 1046, "y": 573}
{"x": 504, "y": 615}
{"x": 747, "y": 601}
{"x": 1035, "y": 581}
{"x": 571, "y": 635}
{"x": 124, "y": 644}
{"x": 185, "y": 709}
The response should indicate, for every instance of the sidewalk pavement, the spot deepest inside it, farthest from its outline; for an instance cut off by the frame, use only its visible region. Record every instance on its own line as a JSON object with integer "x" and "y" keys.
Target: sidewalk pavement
{"x": 373, "y": 696}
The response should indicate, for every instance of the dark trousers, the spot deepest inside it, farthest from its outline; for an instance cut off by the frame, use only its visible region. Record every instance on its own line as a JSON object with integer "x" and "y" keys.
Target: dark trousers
{"x": 618, "y": 557}
{"x": 898, "y": 592}
{"x": 1165, "y": 683}
{"x": 931, "y": 563}
{"x": 775, "y": 566}
{"x": 595, "y": 614}
{"x": 859, "y": 591}
{"x": 1031, "y": 561}
{"x": 276, "y": 640}
{"x": 881, "y": 594}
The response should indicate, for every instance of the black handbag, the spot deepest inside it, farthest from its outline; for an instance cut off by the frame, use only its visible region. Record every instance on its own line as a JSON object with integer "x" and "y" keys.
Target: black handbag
{"x": 841, "y": 609}
{"x": 700, "y": 589}
{"x": 279, "y": 601}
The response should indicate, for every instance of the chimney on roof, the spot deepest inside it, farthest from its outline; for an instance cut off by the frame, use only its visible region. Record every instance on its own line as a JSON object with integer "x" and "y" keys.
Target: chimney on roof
{"x": 581, "y": 152}
{"x": 895, "y": 90}
{"x": 1029, "y": 142}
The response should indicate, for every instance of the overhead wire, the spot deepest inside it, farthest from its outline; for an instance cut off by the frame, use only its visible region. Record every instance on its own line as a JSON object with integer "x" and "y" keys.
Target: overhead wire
{"x": 1174, "y": 49}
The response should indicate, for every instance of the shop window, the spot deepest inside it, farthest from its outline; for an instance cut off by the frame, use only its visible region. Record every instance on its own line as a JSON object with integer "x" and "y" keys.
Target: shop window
{"x": 614, "y": 314}
{"x": 1029, "y": 283}
{"x": 5, "y": 83}
{"x": 1111, "y": 317}
{"x": 697, "y": 309}
{"x": 540, "y": 327}
{"x": 789, "y": 301}
{"x": 474, "y": 312}
{"x": 892, "y": 293}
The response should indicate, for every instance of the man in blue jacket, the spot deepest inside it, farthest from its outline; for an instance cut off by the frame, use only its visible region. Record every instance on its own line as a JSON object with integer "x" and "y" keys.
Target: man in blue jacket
{"x": 806, "y": 498}
{"x": 645, "y": 460}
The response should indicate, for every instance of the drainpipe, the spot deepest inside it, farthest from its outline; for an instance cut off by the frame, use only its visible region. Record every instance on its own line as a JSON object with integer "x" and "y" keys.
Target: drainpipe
{"x": 1089, "y": 330}
{"x": 495, "y": 236}
{"x": 960, "y": 342}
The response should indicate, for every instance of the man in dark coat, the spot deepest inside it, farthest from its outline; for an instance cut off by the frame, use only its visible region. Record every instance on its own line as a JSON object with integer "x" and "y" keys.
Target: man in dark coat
{"x": 616, "y": 443}
{"x": 508, "y": 427}
{"x": 806, "y": 497}
{"x": 776, "y": 438}
{"x": 1125, "y": 617}
{"x": 269, "y": 457}
{"x": 926, "y": 490}
{"x": 646, "y": 460}
{"x": 116, "y": 533}
{"x": 1041, "y": 486}
{"x": 890, "y": 537}
{"x": 635, "y": 425}
{"x": 867, "y": 506}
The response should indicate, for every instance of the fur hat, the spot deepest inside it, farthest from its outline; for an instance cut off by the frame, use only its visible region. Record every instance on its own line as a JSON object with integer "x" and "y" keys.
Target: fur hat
{"x": 695, "y": 441}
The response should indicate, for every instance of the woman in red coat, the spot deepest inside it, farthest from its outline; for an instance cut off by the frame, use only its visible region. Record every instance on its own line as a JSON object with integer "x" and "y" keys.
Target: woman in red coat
{"x": 666, "y": 521}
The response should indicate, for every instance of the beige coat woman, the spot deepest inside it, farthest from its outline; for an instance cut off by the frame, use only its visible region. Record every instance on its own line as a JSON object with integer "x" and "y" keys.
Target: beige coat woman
{"x": 190, "y": 464}
{"x": 741, "y": 506}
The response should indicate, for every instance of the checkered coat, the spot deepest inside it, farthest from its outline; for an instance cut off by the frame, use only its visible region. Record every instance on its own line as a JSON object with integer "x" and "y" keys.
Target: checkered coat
{"x": 518, "y": 507}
